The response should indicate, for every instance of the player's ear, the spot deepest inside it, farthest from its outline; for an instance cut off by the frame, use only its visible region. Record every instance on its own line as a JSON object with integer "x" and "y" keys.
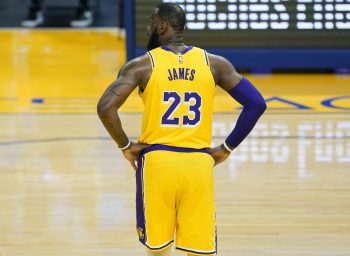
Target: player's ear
{"x": 162, "y": 27}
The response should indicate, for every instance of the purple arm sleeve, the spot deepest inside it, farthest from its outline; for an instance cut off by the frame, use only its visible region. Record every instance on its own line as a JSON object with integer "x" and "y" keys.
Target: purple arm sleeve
{"x": 253, "y": 107}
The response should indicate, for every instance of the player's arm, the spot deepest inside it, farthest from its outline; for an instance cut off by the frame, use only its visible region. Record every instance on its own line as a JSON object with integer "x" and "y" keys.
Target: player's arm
{"x": 244, "y": 92}
{"x": 130, "y": 76}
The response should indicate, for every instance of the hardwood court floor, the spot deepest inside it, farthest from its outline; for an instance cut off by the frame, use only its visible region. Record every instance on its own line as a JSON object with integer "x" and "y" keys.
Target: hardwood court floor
{"x": 66, "y": 190}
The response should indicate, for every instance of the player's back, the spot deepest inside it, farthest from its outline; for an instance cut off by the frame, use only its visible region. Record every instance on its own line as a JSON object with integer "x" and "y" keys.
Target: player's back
{"x": 178, "y": 99}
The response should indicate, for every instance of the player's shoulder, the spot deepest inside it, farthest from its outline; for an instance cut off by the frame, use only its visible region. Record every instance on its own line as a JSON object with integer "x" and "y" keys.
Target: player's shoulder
{"x": 138, "y": 61}
{"x": 155, "y": 51}
{"x": 197, "y": 49}
{"x": 220, "y": 66}
{"x": 141, "y": 62}
{"x": 218, "y": 60}
{"x": 138, "y": 69}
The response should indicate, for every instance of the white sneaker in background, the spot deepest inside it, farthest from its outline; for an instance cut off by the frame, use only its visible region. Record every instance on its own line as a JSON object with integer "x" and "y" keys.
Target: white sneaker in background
{"x": 35, "y": 18}
{"x": 83, "y": 18}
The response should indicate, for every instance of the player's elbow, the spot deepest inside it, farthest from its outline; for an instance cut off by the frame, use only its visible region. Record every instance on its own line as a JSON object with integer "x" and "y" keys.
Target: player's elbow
{"x": 100, "y": 111}
{"x": 103, "y": 108}
{"x": 258, "y": 105}
{"x": 261, "y": 106}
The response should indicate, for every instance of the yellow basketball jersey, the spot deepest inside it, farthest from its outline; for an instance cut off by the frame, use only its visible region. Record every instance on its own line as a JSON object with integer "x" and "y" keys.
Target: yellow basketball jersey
{"x": 178, "y": 99}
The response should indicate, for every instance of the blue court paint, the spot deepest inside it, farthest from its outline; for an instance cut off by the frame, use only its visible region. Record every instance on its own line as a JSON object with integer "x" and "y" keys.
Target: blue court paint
{"x": 38, "y": 100}
{"x": 294, "y": 105}
{"x": 329, "y": 103}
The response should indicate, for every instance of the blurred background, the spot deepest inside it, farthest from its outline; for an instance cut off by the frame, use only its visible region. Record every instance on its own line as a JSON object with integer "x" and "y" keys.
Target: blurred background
{"x": 65, "y": 188}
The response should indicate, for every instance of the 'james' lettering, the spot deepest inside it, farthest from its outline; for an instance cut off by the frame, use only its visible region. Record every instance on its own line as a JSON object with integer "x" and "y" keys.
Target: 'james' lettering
{"x": 170, "y": 77}
{"x": 181, "y": 74}
{"x": 192, "y": 74}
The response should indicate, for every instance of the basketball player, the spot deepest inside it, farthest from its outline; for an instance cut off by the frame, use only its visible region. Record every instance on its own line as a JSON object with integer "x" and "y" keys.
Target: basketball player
{"x": 174, "y": 170}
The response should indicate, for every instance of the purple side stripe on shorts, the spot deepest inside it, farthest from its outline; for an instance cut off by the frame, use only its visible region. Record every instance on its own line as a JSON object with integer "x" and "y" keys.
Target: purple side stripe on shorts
{"x": 140, "y": 210}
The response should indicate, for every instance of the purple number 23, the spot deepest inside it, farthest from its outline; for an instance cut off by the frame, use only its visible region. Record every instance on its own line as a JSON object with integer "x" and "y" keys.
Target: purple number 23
{"x": 173, "y": 99}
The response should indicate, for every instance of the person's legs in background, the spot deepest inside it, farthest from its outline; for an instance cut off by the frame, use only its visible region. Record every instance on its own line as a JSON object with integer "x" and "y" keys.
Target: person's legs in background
{"x": 35, "y": 14}
{"x": 83, "y": 16}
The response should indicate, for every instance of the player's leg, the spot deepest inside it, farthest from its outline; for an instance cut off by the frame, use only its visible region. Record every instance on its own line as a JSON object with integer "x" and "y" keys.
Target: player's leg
{"x": 166, "y": 252}
{"x": 155, "y": 200}
{"x": 84, "y": 4}
{"x": 35, "y": 16}
{"x": 196, "y": 230}
{"x": 83, "y": 15}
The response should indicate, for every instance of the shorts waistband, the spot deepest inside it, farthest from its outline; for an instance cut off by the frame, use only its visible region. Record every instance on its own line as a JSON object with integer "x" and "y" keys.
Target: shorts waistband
{"x": 174, "y": 149}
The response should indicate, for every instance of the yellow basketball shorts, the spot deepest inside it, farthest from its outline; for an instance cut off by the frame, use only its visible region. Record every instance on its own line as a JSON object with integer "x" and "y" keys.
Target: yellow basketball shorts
{"x": 175, "y": 195}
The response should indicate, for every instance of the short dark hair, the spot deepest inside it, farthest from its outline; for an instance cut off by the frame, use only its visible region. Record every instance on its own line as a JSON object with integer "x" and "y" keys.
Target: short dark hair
{"x": 174, "y": 14}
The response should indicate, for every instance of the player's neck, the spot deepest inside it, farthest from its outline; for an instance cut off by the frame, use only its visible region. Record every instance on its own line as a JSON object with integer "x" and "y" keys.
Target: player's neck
{"x": 174, "y": 42}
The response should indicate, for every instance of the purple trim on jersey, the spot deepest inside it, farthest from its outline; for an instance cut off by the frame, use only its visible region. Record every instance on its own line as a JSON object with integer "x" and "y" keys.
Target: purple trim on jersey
{"x": 171, "y": 50}
{"x": 187, "y": 49}
{"x": 152, "y": 60}
{"x": 174, "y": 149}
{"x": 206, "y": 58}
{"x": 140, "y": 209}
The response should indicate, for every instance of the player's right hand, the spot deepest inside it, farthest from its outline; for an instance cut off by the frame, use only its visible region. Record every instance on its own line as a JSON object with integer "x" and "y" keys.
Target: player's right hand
{"x": 219, "y": 153}
{"x": 132, "y": 153}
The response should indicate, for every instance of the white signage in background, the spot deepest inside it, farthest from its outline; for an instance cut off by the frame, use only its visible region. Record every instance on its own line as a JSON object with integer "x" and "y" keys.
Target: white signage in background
{"x": 326, "y": 14}
{"x": 306, "y": 144}
{"x": 266, "y": 14}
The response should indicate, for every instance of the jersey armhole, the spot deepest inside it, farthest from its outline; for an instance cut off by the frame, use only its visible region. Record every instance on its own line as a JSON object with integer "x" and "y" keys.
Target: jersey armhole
{"x": 206, "y": 58}
{"x": 151, "y": 58}
{"x": 207, "y": 61}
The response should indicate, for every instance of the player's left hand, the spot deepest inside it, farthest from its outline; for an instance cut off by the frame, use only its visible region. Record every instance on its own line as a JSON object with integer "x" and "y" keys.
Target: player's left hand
{"x": 132, "y": 153}
{"x": 219, "y": 153}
